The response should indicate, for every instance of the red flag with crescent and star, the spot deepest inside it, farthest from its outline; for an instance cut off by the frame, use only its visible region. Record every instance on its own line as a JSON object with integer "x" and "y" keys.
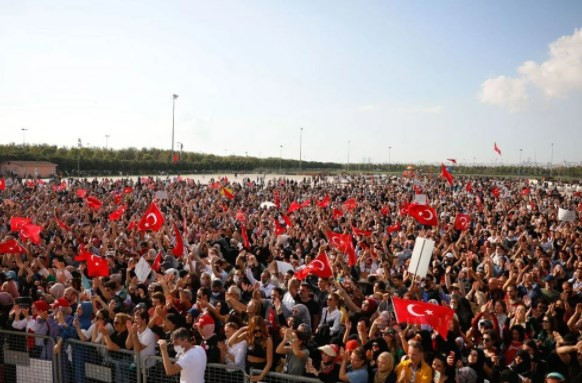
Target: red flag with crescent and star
{"x": 350, "y": 204}
{"x": 324, "y": 202}
{"x": 294, "y": 206}
{"x": 97, "y": 266}
{"x": 337, "y": 213}
{"x": 278, "y": 228}
{"x": 445, "y": 173}
{"x": 345, "y": 244}
{"x": 31, "y": 232}
{"x": 157, "y": 262}
{"x": 403, "y": 209}
{"x": 11, "y": 247}
{"x": 319, "y": 267}
{"x": 364, "y": 233}
{"x": 117, "y": 214}
{"x": 385, "y": 210}
{"x": 178, "y": 249}
{"x": 454, "y": 161}
{"x": 462, "y": 221}
{"x": 415, "y": 312}
{"x": 393, "y": 228}
{"x": 16, "y": 223}
{"x": 424, "y": 214}
{"x": 152, "y": 219}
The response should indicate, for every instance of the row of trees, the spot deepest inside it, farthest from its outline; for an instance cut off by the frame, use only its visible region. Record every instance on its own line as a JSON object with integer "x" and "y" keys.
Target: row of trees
{"x": 97, "y": 161}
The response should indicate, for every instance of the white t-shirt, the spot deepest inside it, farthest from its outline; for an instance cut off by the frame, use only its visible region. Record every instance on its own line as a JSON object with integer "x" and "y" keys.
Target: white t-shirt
{"x": 193, "y": 364}
{"x": 148, "y": 339}
{"x": 239, "y": 351}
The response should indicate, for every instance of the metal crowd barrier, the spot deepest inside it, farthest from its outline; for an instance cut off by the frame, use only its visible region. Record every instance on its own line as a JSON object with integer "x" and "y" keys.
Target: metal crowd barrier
{"x": 27, "y": 358}
{"x": 275, "y": 377}
{"x": 215, "y": 373}
{"x": 86, "y": 362}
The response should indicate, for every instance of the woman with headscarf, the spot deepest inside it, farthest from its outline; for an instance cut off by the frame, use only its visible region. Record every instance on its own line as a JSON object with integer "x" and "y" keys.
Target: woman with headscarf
{"x": 476, "y": 360}
{"x": 301, "y": 312}
{"x": 384, "y": 372}
{"x": 57, "y": 290}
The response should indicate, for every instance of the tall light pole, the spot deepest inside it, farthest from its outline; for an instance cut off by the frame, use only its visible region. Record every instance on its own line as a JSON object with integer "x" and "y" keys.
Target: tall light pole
{"x": 389, "y": 149}
{"x": 280, "y": 159}
{"x": 79, "y": 145}
{"x": 106, "y": 141}
{"x": 181, "y": 147}
{"x": 552, "y": 160}
{"x": 349, "y": 154}
{"x": 300, "y": 143}
{"x": 24, "y": 136}
{"x": 174, "y": 97}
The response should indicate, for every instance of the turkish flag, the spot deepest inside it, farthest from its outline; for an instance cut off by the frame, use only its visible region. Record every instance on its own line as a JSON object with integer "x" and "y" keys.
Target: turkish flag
{"x": 278, "y": 228}
{"x": 525, "y": 191}
{"x": 152, "y": 219}
{"x": 496, "y": 148}
{"x": 97, "y": 266}
{"x": 337, "y": 213}
{"x": 395, "y": 227}
{"x": 365, "y": 233}
{"x": 81, "y": 193}
{"x": 30, "y": 184}
{"x": 462, "y": 221}
{"x": 128, "y": 190}
{"x": 117, "y": 198}
{"x": 31, "y": 232}
{"x": 16, "y": 223}
{"x": 344, "y": 243}
{"x": 214, "y": 186}
{"x": 385, "y": 210}
{"x": 495, "y": 191}
{"x": 11, "y": 247}
{"x": 319, "y": 267}
{"x": 2, "y": 184}
{"x": 157, "y": 262}
{"x": 350, "y": 204}
{"x": 415, "y": 312}
{"x": 243, "y": 232}
{"x": 469, "y": 187}
{"x": 452, "y": 160}
{"x": 294, "y": 206}
{"x": 286, "y": 219}
{"x": 63, "y": 225}
{"x": 117, "y": 214}
{"x": 93, "y": 202}
{"x": 277, "y": 199}
{"x": 424, "y": 214}
{"x": 306, "y": 203}
{"x": 240, "y": 216}
{"x": 324, "y": 202}
{"x": 178, "y": 249}
{"x": 403, "y": 210}
{"x": 445, "y": 173}
{"x": 83, "y": 255}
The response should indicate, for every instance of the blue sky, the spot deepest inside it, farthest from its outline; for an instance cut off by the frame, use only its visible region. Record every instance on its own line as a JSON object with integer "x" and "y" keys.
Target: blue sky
{"x": 431, "y": 79}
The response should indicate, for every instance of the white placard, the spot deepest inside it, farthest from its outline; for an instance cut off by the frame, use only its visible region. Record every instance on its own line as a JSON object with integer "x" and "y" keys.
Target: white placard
{"x": 420, "y": 199}
{"x": 566, "y": 215}
{"x": 162, "y": 194}
{"x": 142, "y": 270}
{"x": 421, "y": 256}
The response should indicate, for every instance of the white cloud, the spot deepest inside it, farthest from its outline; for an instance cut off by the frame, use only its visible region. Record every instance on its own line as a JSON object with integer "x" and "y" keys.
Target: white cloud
{"x": 403, "y": 109}
{"x": 558, "y": 76}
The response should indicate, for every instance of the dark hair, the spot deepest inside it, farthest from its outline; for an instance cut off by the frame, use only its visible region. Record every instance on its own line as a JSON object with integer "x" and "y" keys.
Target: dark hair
{"x": 520, "y": 330}
{"x": 159, "y": 296}
{"x": 143, "y": 314}
{"x": 181, "y": 333}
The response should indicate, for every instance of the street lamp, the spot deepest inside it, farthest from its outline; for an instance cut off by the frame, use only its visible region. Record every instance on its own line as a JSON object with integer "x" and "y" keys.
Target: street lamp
{"x": 280, "y": 158}
{"x": 300, "y": 143}
{"x": 389, "y": 149}
{"x": 24, "y": 136}
{"x": 174, "y": 97}
{"x": 349, "y": 142}
{"x": 79, "y": 145}
{"x": 106, "y": 141}
{"x": 552, "y": 160}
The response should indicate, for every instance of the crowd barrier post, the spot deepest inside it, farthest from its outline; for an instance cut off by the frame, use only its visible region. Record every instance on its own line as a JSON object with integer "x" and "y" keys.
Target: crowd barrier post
{"x": 27, "y": 358}
{"x": 82, "y": 362}
{"x": 276, "y": 377}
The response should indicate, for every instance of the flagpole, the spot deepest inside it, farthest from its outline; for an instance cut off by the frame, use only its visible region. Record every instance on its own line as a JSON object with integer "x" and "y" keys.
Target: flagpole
{"x": 393, "y": 309}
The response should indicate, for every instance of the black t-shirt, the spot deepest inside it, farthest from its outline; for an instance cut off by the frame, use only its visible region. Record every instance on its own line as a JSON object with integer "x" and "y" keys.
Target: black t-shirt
{"x": 119, "y": 339}
{"x": 210, "y": 345}
{"x": 311, "y": 305}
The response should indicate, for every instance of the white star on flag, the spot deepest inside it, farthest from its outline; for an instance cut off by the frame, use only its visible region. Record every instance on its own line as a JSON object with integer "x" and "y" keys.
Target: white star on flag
{"x": 428, "y": 312}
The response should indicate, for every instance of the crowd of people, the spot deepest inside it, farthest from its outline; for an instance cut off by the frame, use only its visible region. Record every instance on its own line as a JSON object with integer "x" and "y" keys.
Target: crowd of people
{"x": 227, "y": 291}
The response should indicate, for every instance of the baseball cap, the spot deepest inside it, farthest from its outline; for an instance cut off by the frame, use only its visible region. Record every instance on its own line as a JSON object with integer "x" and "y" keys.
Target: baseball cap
{"x": 352, "y": 345}
{"x": 41, "y": 305}
{"x": 329, "y": 349}
{"x": 204, "y": 320}
{"x": 61, "y": 302}
{"x": 556, "y": 376}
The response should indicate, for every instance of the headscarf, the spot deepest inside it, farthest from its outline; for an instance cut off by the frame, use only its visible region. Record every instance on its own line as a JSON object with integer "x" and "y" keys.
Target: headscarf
{"x": 303, "y": 314}
{"x": 85, "y": 318}
{"x": 478, "y": 366}
{"x": 57, "y": 290}
{"x": 372, "y": 307}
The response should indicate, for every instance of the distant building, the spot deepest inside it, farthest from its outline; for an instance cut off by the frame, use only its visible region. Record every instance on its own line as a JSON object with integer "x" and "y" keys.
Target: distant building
{"x": 26, "y": 169}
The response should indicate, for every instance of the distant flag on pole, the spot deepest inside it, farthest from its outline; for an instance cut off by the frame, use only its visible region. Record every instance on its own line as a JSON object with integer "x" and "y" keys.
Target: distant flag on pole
{"x": 452, "y": 160}
{"x": 496, "y": 148}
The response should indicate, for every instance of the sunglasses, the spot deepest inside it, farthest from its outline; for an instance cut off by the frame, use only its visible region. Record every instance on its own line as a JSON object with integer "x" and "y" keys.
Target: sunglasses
{"x": 486, "y": 339}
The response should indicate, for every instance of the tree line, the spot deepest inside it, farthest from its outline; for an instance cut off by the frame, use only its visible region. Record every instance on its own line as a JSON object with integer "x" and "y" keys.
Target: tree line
{"x": 100, "y": 161}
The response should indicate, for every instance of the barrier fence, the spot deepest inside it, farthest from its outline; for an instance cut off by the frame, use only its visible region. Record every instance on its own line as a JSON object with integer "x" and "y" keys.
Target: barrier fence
{"x": 29, "y": 358}
{"x": 275, "y": 377}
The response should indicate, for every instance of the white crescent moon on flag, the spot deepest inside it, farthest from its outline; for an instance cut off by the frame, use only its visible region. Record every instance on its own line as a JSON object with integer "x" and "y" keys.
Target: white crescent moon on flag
{"x": 321, "y": 267}
{"x": 336, "y": 241}
{"x": 463, "y": 220}
{"x": 410, "y": 309}
{"x": 430, "y": 215}
{"x": 148, "y": 217}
